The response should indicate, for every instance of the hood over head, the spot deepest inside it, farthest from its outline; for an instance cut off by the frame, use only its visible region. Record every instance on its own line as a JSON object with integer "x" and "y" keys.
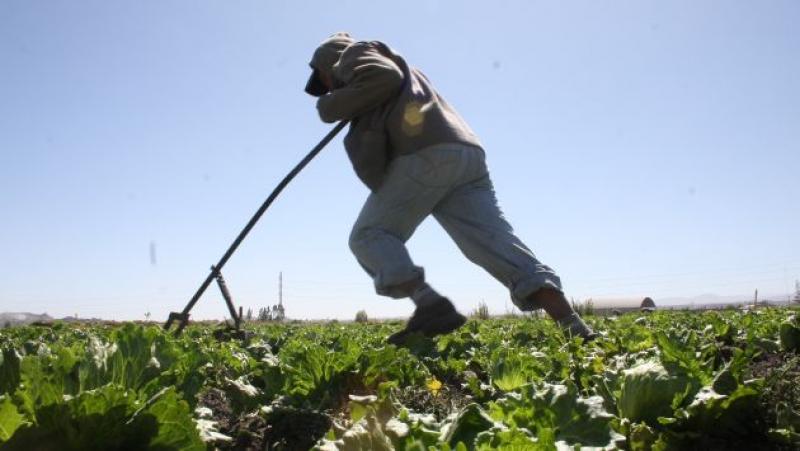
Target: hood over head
{"x": 325, "y": 56}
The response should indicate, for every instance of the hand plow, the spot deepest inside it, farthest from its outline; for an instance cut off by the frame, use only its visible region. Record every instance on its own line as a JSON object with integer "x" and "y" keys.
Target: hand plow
{"x": 181, "y": 319}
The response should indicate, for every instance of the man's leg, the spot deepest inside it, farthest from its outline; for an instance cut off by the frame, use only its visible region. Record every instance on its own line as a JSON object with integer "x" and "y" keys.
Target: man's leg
{"x": 387, "y": 220}
{"x": 414, "y": 185}
{"x": 471, "y": 216}
{"x": 555, "y": 304}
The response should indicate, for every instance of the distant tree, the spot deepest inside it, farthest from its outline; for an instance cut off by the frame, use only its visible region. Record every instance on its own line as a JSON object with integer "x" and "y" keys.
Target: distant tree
{"x": 481, "y": 312}
{"x": 249, "y": 315}
{"x": 263, "y": 315}
{"x": 6, "y": 324}
{"x": 647, "y": 303}
{"x": 361, "y": 316}
{"x": 585, "y": 308}
{"x": 588, "y": 307}
{"x": 146, "y": 316}
{"x": 796, "y": 298}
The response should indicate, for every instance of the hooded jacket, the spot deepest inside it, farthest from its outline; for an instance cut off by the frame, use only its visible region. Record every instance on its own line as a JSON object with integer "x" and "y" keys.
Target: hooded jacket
{"x": 393, "y": 109}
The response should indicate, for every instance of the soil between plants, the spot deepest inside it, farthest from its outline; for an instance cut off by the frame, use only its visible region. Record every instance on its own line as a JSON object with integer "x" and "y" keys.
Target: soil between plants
{"x": 283, "y": 428}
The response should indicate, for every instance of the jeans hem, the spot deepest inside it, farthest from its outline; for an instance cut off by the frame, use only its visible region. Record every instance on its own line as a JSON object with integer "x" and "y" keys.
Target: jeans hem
{"x": 524, "y": 289}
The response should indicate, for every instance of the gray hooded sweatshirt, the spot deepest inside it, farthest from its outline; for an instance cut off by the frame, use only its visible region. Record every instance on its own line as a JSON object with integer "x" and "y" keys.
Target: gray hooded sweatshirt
{"x": 393, "y": 109}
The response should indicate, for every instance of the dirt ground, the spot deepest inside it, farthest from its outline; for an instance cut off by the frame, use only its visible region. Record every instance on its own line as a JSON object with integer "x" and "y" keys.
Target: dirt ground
{"x": 286, "y": 429}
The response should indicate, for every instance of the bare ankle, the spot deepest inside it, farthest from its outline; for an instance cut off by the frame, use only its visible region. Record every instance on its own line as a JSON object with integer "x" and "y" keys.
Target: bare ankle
{"x": 553, "y": 302}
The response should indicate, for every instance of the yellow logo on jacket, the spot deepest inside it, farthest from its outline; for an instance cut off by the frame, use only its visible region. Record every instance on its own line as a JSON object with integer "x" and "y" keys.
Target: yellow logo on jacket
{"x": 413, "y": 119}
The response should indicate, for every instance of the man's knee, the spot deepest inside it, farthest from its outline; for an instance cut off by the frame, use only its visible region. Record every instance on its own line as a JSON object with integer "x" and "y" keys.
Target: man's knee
{"x": 358, "y": 239}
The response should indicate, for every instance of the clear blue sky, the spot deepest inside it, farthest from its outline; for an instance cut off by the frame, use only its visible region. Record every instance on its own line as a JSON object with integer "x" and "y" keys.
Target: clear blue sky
{"x": 638, "y": 147}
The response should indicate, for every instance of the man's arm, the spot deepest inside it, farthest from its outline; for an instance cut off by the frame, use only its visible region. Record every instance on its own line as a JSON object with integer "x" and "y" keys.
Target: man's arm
{"x": 369, "y": 78}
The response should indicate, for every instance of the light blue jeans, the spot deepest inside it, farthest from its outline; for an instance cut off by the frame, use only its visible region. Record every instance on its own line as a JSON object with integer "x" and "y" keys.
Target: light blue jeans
{"x": 451, "y": 182}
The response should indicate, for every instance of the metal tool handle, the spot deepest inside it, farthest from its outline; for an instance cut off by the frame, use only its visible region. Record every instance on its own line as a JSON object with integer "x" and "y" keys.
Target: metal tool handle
{"x": 183, "y": 317}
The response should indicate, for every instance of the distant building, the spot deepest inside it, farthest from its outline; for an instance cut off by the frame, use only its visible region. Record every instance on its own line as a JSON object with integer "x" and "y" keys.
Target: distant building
{"x": 615, "y": 306}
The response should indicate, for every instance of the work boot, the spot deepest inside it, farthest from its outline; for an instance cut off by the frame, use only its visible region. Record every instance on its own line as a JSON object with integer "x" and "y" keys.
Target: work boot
{"x": 435, "y": 318}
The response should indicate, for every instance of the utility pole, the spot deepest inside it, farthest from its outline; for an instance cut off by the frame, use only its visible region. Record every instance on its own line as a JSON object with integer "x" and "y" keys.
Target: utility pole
{"x": 281, "y": 312}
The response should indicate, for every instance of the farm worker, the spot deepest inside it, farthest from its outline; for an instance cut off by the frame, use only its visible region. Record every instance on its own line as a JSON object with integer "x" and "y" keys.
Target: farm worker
{"x": 418, "y": 158}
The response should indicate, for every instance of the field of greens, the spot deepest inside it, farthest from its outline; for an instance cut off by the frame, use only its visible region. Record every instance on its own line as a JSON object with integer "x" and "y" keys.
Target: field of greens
{"x": 662, "y": 380}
